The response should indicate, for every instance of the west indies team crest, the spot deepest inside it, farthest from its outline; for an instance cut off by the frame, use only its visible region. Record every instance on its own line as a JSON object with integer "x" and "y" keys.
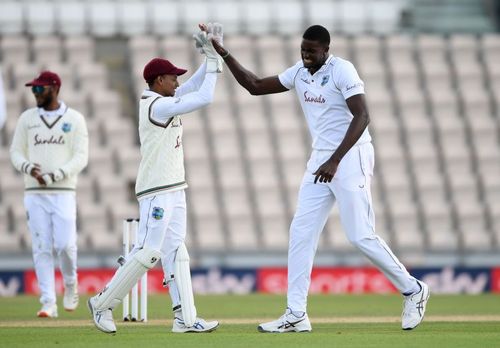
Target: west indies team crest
{"x": 325, "y": 80}
{"x": 66, "y": 127}
{"x": 157, "y": 213}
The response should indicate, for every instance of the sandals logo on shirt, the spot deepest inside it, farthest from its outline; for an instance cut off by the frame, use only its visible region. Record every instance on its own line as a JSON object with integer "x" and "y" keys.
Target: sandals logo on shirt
{"x": 66, "y": 127}
{"x": 157, "y": 213}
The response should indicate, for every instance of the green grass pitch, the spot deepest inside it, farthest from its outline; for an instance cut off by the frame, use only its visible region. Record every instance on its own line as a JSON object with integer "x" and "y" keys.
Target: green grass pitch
{"x": 338, "y": 321}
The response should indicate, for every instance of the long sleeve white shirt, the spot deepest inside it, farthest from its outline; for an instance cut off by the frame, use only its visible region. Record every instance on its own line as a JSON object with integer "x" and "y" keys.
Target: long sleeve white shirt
{"x": 55, "y": 142}
{"x": 160, "y": 132}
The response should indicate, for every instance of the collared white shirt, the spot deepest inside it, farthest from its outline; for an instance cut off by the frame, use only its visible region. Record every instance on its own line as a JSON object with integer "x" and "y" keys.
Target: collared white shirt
{"x": 51, "y": 114}
{"x": 323, "y": 99}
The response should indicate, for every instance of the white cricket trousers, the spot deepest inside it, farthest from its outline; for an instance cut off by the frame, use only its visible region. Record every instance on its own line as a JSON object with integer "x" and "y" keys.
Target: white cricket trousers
{"x": 52, "y": 223}
{"x": 350, "y": 188}
{"x": 162, "y": 226}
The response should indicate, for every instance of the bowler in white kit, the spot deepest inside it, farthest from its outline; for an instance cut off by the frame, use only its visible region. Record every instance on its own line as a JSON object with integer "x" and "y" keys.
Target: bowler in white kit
{"x": 339, "y": 170}
{"x": 50, "y": 147}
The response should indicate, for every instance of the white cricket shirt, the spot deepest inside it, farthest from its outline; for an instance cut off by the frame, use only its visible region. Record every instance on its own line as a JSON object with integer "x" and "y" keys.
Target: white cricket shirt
{"x": 56, "y": 140}
{"x": 160, "y": 131}
{"x": 323, "y": 99}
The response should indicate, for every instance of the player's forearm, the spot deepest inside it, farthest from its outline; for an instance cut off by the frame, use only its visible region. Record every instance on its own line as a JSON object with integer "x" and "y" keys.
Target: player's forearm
{"x": 80, "y": 157}
{"x": 75, "y": 165}
{"x": 245, "y": 78}
{"x": 194, "y": 83}
{"x": 18, "y": 155}
{"x": 354, "y": 132}
{"x": 166, "y": 108}
{"x": 20, "y": 162}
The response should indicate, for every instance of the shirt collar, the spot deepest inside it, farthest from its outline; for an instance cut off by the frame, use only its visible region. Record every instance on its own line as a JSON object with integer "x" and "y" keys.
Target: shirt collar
{"x": 325, "y": 65}
{"x": 149, "y": 93}
{"x": 52, "y": 113}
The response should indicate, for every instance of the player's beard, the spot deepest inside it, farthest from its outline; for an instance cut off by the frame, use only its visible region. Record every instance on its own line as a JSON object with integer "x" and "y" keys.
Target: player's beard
{"x": 314, "y": 64}
{"x": 44, "y": 102}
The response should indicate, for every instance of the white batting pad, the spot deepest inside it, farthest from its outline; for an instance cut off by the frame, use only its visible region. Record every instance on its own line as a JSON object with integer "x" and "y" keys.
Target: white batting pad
{"x": 182, "y": 276}
{"x": 126, "y": 276}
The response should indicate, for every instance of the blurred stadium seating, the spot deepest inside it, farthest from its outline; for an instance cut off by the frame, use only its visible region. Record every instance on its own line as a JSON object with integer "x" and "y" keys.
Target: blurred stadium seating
{"x": 434, "y": 100}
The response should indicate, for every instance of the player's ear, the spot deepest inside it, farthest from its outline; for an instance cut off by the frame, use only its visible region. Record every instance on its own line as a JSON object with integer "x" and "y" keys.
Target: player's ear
{"x": 158, "y": 79}
{"x": 325, "y": 52}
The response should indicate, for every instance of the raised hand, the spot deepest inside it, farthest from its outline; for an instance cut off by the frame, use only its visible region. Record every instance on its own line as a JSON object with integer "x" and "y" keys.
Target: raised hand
{"x": 219, "y": 49}
{"x": 203, "y": 42}
{"x": 217, "y": 31}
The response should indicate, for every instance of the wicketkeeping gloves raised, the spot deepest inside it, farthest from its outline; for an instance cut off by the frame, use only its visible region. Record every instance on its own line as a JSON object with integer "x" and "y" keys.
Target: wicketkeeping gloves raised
{"x": 203, "y": 42}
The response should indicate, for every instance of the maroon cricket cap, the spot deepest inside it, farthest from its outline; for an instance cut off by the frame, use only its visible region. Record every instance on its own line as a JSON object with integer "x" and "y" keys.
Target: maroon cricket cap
{"x": 46, "y": 78}
{"x": 160, "y": 66}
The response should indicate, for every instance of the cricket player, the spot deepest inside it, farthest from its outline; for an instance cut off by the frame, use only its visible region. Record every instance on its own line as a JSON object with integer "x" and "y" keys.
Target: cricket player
{"x": 160, "y": 189}
{"x": 339, "y": 170}
{"x": 50, "y": 147}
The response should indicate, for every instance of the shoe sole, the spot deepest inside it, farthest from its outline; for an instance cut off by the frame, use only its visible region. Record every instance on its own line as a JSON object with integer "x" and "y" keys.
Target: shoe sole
{"x": 71, "y": 309}
{"x": 260, "y": 329}
{"x": 45, "y": 315}
{"x": 67, "y": 309}
{"x": 425, "y": 308}
{"x": 194, "y": 331}
{"x": 89, "y": 306}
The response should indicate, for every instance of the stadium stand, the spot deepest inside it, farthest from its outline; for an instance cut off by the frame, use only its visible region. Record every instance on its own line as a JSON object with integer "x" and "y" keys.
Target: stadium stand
{"x": 434, "y": 101}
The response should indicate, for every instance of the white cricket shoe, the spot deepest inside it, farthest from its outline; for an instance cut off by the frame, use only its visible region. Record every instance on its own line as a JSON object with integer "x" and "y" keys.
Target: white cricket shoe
{"x": 288, "y": 322}
{"x": 103, "y": 319}
{"x": 70, "y": 299}
{"x": 200, "y": 325}
{"x": 414, "y": 307}
{"x": 47, "y": 311}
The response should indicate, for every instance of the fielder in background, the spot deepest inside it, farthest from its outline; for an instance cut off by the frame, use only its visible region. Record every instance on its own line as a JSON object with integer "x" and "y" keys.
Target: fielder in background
{"x": 339, "y": 170}
{"x": 160, "y": 189}
{"x": 50, "y": 147}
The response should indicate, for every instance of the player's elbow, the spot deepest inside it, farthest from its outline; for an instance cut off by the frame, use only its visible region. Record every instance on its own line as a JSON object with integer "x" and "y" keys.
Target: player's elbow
{"x": 362, "y": 119}
{"x": 253, "y": 87}
{"x": 366, "y": 119}
{"x": 257, "y": 91}
{"x": 206, "y": 100}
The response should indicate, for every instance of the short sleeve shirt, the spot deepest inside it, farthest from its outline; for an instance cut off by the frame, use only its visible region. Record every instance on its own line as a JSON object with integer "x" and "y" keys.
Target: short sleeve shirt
{"x": 323, "y": 97}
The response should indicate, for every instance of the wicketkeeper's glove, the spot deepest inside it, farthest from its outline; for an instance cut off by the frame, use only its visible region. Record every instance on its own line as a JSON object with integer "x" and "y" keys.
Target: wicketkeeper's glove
{"x": 217, "y": 32}
{"x": 203, "y": 42}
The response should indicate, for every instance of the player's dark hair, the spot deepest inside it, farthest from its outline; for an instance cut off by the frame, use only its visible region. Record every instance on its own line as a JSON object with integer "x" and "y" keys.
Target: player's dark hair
{"x": 317, "y": 33}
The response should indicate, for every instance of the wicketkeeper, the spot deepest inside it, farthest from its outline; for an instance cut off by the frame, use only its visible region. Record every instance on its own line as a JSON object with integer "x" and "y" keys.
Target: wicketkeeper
{"x": 160, "y": 187}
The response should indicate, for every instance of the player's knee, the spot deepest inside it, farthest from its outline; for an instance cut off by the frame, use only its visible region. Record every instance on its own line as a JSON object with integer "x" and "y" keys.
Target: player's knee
{"x": 356, "y": 242}
{"x": 298, "y": 227}
{"x": 148, "y": 257}
{"x": 170, "y": 249}
{"x": 42, "y": 249}
{"x": 64, "y": 248}
{"x": 362, "y": 243}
